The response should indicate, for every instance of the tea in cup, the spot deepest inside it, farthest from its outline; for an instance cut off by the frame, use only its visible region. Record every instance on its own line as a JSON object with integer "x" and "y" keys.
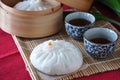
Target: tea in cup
{"x": 100, "y": 42}
{"x": 77, "y": 23}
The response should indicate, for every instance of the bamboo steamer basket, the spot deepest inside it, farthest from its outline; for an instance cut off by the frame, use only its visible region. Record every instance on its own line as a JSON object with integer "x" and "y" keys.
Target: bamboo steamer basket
{"x": 82, "y": 5}
{"x": 31, "y": 24}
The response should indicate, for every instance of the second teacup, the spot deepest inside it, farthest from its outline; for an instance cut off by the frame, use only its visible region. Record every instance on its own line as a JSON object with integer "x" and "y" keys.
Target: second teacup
{"x": 77, "y": 23}
{"x": 100, "y": 42}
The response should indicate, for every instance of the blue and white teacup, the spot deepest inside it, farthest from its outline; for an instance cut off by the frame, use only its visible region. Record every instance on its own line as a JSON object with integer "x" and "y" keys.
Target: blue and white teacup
{"x": 76, "y": 32}
{"x": 100, "y": 42}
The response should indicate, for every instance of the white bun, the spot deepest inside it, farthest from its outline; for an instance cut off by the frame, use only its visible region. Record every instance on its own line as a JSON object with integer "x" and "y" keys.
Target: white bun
{"x": 30, "y": 5}
{"x": 56, "y": 57}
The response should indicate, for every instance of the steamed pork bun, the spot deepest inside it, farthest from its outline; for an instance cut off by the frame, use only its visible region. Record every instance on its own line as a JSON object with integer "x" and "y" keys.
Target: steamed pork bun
{"x": 56, "y": 57}
{"x": 30, "y": 5}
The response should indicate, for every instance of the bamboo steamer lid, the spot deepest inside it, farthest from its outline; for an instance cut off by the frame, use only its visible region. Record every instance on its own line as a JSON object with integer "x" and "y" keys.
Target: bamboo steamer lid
{"x": 31, "y": 24}
{"x": 83, "y": 5}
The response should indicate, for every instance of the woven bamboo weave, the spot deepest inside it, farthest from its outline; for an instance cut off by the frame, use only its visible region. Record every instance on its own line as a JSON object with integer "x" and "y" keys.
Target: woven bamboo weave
{"x": 90, "y": 66}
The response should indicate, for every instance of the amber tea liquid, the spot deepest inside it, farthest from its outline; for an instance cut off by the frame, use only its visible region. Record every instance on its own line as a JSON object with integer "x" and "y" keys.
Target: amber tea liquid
{"x": 100, "y": 41}
{"x": 79, "y": 22}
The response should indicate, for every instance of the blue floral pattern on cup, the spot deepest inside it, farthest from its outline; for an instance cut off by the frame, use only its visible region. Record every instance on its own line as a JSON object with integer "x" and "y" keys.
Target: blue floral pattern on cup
{"x": 76, "y": 32}
{"x": 99, "y": 51}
